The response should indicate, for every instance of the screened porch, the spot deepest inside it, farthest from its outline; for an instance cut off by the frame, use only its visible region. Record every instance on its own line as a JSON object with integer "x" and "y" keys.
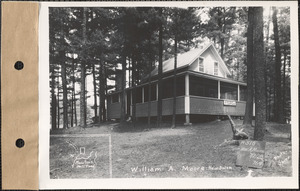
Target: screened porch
{"x": 196, "y": 93}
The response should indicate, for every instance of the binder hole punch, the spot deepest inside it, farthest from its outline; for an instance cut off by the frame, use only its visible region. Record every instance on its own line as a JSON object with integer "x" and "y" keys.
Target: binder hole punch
{"x": 19, "y": 65}
{"x": 20, "y": 143}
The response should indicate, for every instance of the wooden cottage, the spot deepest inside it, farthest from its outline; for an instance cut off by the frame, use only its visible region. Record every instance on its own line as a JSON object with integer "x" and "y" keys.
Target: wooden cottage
{"x": 202, "y": 89}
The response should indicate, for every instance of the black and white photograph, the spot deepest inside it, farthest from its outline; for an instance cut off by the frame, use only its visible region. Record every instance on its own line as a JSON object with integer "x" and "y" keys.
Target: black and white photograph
{"x": 169, "y": 92}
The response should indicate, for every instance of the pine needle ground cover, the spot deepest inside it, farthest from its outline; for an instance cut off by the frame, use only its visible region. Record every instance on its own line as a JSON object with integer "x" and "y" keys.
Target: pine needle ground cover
{"x": 182, "y": 152}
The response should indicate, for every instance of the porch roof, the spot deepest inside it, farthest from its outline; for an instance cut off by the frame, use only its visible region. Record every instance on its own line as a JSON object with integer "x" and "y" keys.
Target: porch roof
{"x": 199, "y": 74}
{"x": 209, "y": 76}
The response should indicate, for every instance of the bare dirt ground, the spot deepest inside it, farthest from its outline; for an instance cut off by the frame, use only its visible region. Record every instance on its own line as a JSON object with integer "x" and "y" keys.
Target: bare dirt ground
{"x": 186, "y": 151}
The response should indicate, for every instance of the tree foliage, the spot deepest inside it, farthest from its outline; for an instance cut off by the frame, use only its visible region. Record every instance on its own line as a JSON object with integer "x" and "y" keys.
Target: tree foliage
{"x": 94, "y": 43}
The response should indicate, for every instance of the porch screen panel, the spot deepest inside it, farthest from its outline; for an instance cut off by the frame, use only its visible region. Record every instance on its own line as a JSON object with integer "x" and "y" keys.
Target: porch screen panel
{"x": 180, "y": 82}
{"x": 146, "y": 93}
{"x": 138, "y": 95}
{"x": 115, "y": 98}
{"x": 153, "y": 92}
{"x": 243, "y": 93}
{"x": 168, "y": 87}
{"x": 203, "y": 87}
{"x": 229, "y": 91}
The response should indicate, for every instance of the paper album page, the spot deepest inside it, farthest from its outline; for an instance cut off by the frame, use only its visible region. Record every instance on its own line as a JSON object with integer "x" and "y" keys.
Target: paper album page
{"x": 161, "y": 95}
{"x": 19, "y": 95}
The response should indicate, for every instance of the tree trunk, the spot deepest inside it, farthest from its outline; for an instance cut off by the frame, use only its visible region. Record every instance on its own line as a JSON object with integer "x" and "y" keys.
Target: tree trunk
{"x": 72, "y": 109}
{"x": 64, "y": 82}
{"x": 249, "y": 103}
{"x": 53, "y": 111}
{"x": 53, "y": 99}
{"x": 283, "y": 82}
{"x": 278, "y": 99}
{"x": 133, "y": 90}
{"x": 123, "y": 117}
{"x": 260, "y": 96}
{"x": 222, "y": 24}
{"x": 149, "y": 100}
{"x": 149, "y": 84}
{"x": 268, "y": 97}
{"x": 75, "y": 109}
{"x": 58, "y": 109}
{"x": 102, "y": 92}
{"x": 65, "y": 94}
{"x": 95, "y": 94}
{"x": 129, "y": 72}
{"x": 238, "y": 71}
{"x": 174, "y": 84}
{"x": 74, "y": 112}
{"x": 72, "y": 96}
{"x": 270, "y": 101}
{"x": 222, "y": 40}
{"x": 137, "y": 76}
{"x": 222, "y": 47}
{"x": 100, "y": 81}
{"x": 83, "y": 75}
{"x": 159, "y": 82}
{"x": 82, "y": 97}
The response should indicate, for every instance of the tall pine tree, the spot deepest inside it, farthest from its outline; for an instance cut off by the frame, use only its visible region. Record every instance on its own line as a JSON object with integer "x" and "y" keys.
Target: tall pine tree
{"x": 259, "y": 64}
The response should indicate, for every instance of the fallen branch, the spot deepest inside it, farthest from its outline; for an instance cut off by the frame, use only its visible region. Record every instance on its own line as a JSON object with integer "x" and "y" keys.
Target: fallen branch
{"x": 238, "y": 133}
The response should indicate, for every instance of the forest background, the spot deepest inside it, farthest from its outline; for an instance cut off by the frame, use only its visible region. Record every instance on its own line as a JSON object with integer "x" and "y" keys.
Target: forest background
{"x": 89, "y": 45}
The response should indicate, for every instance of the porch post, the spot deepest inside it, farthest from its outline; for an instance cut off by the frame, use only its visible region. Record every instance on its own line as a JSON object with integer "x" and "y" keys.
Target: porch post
{"x": 187, "y": 87}
{"x": 238, "y": 92}
{"x": 187, "y": 100}
{"x": 219, "y": 89}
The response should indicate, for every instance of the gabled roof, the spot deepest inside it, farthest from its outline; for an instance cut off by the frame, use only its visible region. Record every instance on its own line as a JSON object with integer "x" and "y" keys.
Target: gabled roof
{"x": 187, "y": 58}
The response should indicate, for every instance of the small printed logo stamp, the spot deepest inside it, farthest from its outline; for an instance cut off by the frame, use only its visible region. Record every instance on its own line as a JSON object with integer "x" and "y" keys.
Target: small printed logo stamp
{"x": 80, "y": 156}
{"x": 84, "y": 160}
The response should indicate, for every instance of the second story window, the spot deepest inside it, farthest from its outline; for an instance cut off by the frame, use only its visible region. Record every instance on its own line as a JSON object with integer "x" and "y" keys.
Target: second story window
{"x": 201, "y": 65}
{"x": 216, "y": 69}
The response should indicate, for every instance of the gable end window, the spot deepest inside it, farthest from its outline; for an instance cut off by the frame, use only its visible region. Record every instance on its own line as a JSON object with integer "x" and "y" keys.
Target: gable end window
{"x": 216, "y": 69}
{"x": 201, "y": 65}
